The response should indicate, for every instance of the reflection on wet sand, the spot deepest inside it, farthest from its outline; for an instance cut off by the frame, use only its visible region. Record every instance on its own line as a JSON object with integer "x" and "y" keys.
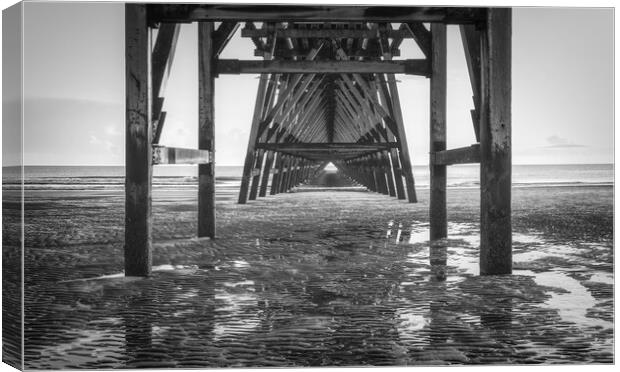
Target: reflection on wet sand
{"x": 438, "y": 257}
{"x": 326, "y": 287}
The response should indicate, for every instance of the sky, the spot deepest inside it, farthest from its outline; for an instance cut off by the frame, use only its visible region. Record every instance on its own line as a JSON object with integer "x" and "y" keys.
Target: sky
{"x": 562, "y": 105}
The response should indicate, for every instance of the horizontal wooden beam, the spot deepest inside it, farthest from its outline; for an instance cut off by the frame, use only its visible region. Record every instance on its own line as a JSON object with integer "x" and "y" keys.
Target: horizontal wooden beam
{"x": 283, "y": 52}
{"x": 343, "y": 146}
{"x": 462, "y": 155}
{"x": 291, "y": 13}
{"x": 326, "y": 33}
{"x": 409, "y": 66}
{"x": 175, "y": 155}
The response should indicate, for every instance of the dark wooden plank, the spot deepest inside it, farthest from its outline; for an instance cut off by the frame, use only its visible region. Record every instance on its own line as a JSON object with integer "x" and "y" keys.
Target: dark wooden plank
{"x": 295, "y": 13}
{"x": 327, "y": 146}
{"x": 177, "y": 155}
{"x": 397, "y": 40}
{"x": 222, "y": 36}
{"x": 471, "y": 46}
{"x": 250, "y": 152}
{"x": 422, "y": 37}
{"x": 395, "y": 179}
{"x": 163, "y": 56}
{"x": 138, "y": 169}
{"x": 326, "y": 33}
{"x": 462, "y": 155}
{"x": 206, "y": 130}
{"x": 162, "y": 59}
{"x": 372, "y": 51}
{"x": 256, "y": 173}
{"x": 277, "y": 170}
{"x": 409, "y": 66}
{"x": 438, "y": 212}
{"x": 495, "y": 141}
{"x": 403, "y": 147}
{"x": 266, "y": 171}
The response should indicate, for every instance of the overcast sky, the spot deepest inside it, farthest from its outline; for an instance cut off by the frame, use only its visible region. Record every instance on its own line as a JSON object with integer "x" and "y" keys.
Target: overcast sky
{"x": 74, "y": 89}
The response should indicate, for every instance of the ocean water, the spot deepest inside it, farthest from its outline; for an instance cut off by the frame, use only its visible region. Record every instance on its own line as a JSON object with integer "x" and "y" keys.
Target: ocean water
{"x": 460, "y": 176}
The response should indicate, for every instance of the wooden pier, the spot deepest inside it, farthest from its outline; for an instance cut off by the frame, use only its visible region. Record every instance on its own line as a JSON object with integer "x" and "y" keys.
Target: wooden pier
{"x": 327, "y": 93}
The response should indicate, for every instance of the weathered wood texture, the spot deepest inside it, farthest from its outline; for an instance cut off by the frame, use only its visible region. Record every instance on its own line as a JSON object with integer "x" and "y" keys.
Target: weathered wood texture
{"x": 403, "y": 147}
{"x": 206, "y": 130}
{"x": 176, "y": 155}
{"x": 438, "y": 215}
{"x": 161, "y": 61}
{"x": 471, "y": 46}
{"x": 138, "y": 157}
{"x": 462, "y": 155}
{"x": 409, "y": 66}
{"x": 250, "y": 156}
{"x": 320, "y": 13}
{"x": 326, "y": 33}
{"x": 495, "y": 143}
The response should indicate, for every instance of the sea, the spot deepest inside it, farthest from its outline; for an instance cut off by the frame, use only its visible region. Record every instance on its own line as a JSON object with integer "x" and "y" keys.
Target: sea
{"x": 459, "y": 176}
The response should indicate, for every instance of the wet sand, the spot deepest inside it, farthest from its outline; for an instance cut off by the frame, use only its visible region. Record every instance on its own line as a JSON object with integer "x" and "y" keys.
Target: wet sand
{"x": 319, "y": 278}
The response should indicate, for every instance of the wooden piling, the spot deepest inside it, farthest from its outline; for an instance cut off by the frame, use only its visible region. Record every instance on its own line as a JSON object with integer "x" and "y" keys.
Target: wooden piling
{"x": 138, "y": 139}
{"x": 256, "y": 177}
{"x": 495, "y": 143}
{"x": 438, "y": 215}
{"x": 206, "y": 130}
{"x": 265, "y": 177}
{"x": 403, "y": 149}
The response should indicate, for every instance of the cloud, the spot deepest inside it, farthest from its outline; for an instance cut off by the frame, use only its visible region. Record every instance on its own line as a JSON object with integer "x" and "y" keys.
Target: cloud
{"x": 556, "y": 141}
{"x": 112, "y": 130}
{"x": 94, "y": 140}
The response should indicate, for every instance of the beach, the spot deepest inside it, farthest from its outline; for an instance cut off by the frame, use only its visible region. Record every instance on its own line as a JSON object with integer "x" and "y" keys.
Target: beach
{"x": 315, "y": 277}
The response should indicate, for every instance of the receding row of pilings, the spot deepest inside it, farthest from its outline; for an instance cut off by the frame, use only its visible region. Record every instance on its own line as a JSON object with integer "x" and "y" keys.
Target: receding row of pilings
{"x": 378, "y": 172}
{"x": 286, "y": 172}
{"x": 486, "y": 34}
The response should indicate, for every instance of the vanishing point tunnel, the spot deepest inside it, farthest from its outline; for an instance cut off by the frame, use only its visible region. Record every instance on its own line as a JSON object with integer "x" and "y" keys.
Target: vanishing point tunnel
{"x": 327, "y": 93}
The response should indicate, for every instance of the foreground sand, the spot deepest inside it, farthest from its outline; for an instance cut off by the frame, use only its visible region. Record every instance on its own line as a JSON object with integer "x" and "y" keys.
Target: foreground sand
{"x": 317, "y": 278}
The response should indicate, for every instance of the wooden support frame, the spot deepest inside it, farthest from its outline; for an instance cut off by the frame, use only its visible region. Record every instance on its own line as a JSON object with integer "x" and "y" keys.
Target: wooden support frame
{"x": 250, "y": 158}
{"x": 495, "y": 144}
{"x": 138, "y": 139}
{"x": 288, "y": 13}
{"x": 471, "y": 46}
{"x": 350, "y": 105}
{"x": 438, "y": 212}
{"x": 326, "y": 33}
{"x": 176, "y": 155}
{"x": 409, "y": 66}
{"x": 206, "y": 130}
{"x": 462, "y": 155}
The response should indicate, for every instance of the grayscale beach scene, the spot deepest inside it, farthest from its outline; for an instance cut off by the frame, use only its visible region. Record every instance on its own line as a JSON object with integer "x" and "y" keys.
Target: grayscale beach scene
{"x": 214, "y": 185}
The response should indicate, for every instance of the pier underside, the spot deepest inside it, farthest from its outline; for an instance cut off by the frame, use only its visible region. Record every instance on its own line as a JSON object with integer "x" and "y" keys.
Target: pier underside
{"x": 327, "y": 93}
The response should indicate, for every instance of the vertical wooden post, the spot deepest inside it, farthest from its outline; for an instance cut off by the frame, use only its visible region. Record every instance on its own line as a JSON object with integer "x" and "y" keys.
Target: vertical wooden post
{"x": 403, "y": 147}
{"x": 256, "y": 175}
{"x": 495, "y": 141}
{"x": 277, "y": 174}
{"x": 138, "y": 137}
{"x": 438, "y": 217}
{"x": 266, "y": 171}
{"x": 206, "y": 130}
{"x": 389, "y": 173}
{"x": 250, "y": 155}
